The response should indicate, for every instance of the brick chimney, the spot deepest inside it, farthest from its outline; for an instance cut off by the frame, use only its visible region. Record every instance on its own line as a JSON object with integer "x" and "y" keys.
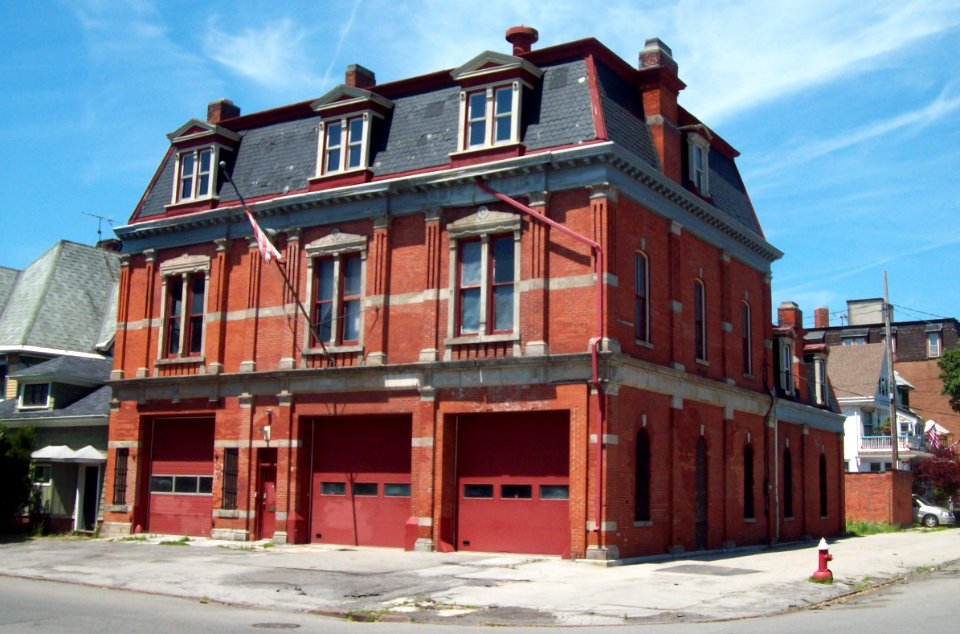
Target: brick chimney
{"x": 359, "y": 77}
{"x": 821, "y": 317}
{"x": 523, "y": 38}
{"x": 789, "y": 314}
{"x": 659, "y": 86}
{"x": 221, "y": 109}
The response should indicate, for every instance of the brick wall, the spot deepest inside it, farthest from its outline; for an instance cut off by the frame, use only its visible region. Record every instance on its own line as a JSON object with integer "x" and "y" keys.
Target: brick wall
{"x": 880, "y": 497}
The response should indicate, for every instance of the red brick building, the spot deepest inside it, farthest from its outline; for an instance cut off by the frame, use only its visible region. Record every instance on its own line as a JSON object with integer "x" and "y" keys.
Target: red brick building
{"x": 436, "y": 363}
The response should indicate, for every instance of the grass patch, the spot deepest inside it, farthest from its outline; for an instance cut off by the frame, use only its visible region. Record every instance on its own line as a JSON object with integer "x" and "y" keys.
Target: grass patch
{"x": 177, "y": 542}
{"x": 133, "y": 538}
{"x": 822, "y": 582}
{"x": 861, "y": 528}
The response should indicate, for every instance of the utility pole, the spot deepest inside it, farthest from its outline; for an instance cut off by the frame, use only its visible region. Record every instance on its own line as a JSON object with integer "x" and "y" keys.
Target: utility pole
{"x": 891, "y": 380}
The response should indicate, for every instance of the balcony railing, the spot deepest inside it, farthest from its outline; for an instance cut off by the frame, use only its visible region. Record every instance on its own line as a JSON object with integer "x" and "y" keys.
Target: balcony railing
{"x": 881, "y": 444}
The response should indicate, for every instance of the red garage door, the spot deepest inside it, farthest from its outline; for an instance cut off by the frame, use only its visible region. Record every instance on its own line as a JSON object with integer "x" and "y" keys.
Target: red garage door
{"x": 361, "y": 480}
{"x": 513, "y": 483}
{"x": 181, "y": 477}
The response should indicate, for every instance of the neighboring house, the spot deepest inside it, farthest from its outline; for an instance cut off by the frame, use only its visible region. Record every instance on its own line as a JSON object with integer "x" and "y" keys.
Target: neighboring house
{"x": 860, "y": 378}
{"x": 57, "y": 323}
{"x": 917, "y": 346}
{"x": 535, "y": 318}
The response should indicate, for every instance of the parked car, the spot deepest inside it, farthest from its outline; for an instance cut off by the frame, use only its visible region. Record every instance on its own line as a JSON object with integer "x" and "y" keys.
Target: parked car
{"x": 931, "y": 515}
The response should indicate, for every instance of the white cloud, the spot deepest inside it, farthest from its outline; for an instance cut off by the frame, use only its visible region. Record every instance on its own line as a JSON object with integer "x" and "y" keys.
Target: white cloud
{"x": 271, "y": 54}
{"x": 914, "y": 120}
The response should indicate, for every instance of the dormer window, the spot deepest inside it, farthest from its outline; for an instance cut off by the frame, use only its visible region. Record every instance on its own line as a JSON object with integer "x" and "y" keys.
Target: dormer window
{"x": 344, "y": 144}
{"x": 195, "y": 174}
{"x": 347, "y": 126}
{"x": 699, "y": 161}
{"x": 490, "y": 118}
{"x": 34, "y": 395}
{"x": 491, "y": 95}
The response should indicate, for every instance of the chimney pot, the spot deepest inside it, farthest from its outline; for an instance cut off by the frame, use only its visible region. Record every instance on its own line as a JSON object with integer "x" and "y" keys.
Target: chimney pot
{"x": 358, "y": 76}
{"x": 821, "y": 317}
{"x": 221, "y": 109}
{"x": 656, "y": 53}
{"x": 522, "y": 38}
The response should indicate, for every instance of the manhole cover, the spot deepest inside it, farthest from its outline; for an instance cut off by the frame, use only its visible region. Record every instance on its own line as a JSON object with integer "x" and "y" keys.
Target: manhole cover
{"x": 277, "y": 626}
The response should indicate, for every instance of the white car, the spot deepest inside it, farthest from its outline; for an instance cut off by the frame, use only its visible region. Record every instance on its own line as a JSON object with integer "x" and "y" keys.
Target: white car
{"x": 931, "y": 515}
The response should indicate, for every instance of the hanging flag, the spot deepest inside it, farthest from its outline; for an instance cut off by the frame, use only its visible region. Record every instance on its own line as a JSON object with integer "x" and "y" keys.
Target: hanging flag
{"x": 267, "y": 250}
{"x": 934, "y": 438}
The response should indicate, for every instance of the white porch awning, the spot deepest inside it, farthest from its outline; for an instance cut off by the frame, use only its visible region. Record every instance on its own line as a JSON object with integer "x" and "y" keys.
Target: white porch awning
{"x": 63, "y": 453}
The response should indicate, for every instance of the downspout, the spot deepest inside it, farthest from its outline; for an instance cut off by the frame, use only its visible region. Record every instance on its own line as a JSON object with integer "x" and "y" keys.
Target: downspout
{"x": 594, "y": 341}
{"x": 773, "y": 421}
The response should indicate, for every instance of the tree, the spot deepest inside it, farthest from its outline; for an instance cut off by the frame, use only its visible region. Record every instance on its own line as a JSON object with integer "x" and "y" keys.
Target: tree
{"x": 939, "y": 474}
{"x": 15, "y": 446}
{"x": 950, "y": 376}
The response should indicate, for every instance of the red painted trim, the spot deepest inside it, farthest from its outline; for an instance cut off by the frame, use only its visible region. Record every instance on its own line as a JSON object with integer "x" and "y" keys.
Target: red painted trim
{"x": 599, "y": 124}
{"x": 189, "y": 207}
{"x": 340, "y": 179}
{"x": 487, "y": 154}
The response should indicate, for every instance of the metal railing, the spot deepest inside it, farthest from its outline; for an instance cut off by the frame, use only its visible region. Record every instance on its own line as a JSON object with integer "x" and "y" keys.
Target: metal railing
{"x": 882, "y": 443}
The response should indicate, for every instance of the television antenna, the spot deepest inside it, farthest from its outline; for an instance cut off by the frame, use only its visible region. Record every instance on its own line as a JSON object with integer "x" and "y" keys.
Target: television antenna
{"x": 100, "y": 220}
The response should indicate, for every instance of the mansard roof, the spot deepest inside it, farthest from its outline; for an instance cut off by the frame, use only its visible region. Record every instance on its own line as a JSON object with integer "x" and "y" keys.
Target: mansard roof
{"x": 586, "y": 96}
{"x": 61, "y": 301}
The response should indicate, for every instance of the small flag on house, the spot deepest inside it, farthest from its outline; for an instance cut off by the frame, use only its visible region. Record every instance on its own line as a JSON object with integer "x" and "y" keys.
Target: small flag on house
{"x": 267, "y": 250}
{"x": 934, "y": 438}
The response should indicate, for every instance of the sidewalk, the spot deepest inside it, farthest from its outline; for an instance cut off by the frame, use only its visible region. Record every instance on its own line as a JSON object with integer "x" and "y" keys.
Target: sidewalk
{"x": 382, "y": 584}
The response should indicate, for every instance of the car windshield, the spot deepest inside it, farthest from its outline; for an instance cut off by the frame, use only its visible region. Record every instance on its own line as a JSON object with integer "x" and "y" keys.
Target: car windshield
{"x": 922, "y": 501}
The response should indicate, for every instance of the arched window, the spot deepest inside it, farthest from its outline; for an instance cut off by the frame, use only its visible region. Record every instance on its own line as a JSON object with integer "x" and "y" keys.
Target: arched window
{"x": 746, "y": 348}
{"x": 749, "y": 512}
{"x": 823, "y": 485}
{"x": 700, "y": 320}
{"x": 787, "y": 483}
{"x": 641, "y": 509}
{"x": 642, "y": 299}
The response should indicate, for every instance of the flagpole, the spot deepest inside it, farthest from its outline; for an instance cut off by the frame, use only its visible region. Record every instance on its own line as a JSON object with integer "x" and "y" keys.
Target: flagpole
{"x": 280, "y": 267}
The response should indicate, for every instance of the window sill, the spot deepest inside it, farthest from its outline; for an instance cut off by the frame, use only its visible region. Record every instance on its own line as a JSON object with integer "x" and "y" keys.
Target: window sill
{"x": 335, "y": 349}
{"x": 643, "y": 343}
{"x": 486, "y": 153}
{"x": 193, "y": 204}
{"x": 180, "y": 361}
{"x": 356, "y": 176}
{"x": 469, "y": 339}
{"x": 703, "y": 362}
{"x": 643, "y": 524}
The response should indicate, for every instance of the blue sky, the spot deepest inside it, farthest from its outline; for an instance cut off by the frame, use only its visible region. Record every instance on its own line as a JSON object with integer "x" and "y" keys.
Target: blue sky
{"x": 847, "y": 114}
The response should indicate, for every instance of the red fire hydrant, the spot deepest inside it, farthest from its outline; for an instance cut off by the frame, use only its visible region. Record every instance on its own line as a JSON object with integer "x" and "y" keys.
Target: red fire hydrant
{"x": 823, "y": 573}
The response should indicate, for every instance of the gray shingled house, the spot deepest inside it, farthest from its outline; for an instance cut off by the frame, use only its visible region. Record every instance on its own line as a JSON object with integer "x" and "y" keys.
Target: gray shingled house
{"x": 57, "y": 318}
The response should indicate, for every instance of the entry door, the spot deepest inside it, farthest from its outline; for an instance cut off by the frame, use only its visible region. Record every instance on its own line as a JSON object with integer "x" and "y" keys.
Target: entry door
{"x": 700, "y": 497}
{"x": 267, "y": 502}
{"x": 90, "y": 496}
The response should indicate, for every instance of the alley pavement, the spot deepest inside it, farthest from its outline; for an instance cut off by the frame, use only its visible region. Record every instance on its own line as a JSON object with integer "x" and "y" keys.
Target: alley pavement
{"x": 391, "y": 585}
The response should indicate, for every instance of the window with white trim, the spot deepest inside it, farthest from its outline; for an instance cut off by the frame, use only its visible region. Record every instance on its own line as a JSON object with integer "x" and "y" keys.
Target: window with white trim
{"x": 484, "y": 274}
{"x": 820, "y": 380}
{"x": 196, "y": 174}
{"x": 344, "y": 144}
{"x": 34, "y": 395}
{"x": 336, "y": 265}
{"x": 933, "y": 344}
{"x": 642, "y": 298}
{"x": 785, "y": 379}
{"x": 183, "y": 305}
{"x": 699, "y": 163}
{"x": 490, "y": 115}
{"x": 700, "y": 320}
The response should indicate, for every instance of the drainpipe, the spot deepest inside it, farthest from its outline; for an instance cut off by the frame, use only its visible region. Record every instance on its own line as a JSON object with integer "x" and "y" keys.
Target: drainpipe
{"x": 772, "y": 418}
{"x": 594, "y": 341}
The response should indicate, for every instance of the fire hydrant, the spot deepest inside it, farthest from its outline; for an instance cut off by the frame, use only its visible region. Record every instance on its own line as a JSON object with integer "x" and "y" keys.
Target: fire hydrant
{"x": 823, "y": 573}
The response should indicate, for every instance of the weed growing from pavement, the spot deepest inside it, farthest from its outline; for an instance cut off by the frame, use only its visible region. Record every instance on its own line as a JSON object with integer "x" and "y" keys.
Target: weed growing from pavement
{"x": 133, "y": 538}
{"x": 177, "y": 542}
{"x": 861, "y": 528}
{"x": 823, "y": 582}
{"x": 863, "y": 584}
